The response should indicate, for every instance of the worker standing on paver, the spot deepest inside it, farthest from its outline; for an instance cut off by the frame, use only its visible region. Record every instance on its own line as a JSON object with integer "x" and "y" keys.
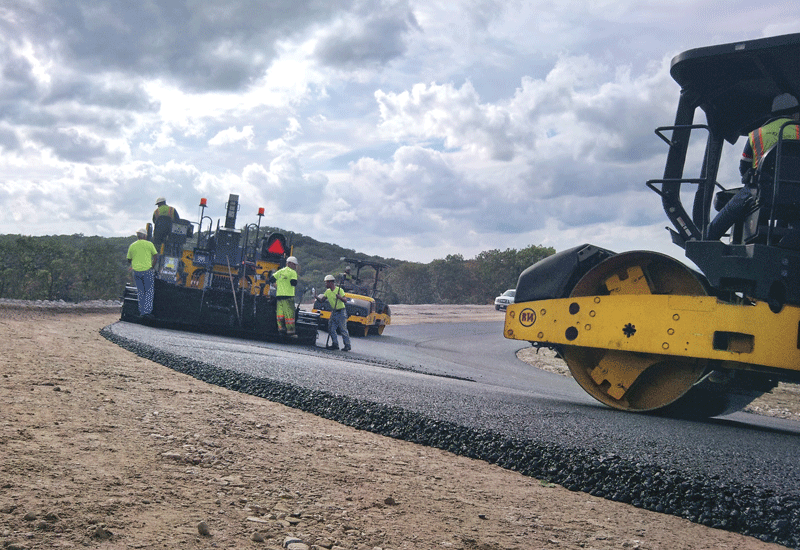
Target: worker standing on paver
{"x": 285, "y": 280}
{"x": 142, "y": 259}
{"x": 163, "y": 216}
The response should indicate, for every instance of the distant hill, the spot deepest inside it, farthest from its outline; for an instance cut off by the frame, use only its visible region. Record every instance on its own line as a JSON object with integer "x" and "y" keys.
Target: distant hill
{"x": 76, "y": 268}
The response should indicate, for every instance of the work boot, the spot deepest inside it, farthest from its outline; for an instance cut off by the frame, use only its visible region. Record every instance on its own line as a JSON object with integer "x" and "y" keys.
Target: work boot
{"x": 346, "y": 347}
{"x": 332, "y": 346}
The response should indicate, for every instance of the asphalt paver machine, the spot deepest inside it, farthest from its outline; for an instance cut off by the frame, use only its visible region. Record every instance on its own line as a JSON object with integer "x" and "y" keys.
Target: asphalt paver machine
{"x": 217, "y": 280}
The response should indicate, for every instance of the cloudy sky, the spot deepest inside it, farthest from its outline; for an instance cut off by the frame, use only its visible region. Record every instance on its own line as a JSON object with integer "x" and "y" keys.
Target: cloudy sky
{"x": 410, "y": 129}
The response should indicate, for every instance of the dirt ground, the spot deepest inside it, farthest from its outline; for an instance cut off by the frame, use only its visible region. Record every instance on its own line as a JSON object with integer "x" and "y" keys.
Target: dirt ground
{"x": 100, "y": 448}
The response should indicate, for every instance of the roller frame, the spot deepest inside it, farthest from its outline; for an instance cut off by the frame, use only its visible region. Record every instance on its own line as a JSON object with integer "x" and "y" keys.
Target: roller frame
{"x": 672, "y": 325}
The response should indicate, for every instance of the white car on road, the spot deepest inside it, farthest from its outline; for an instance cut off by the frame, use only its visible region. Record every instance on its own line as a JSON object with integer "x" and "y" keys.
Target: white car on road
{"x": 506, "y": 298}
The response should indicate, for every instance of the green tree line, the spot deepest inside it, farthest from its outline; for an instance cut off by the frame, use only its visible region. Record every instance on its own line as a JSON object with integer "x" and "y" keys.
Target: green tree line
{"x": 72, "y": 268}
{"x": 455, "y": 280}
{"x": 76, "y": 268}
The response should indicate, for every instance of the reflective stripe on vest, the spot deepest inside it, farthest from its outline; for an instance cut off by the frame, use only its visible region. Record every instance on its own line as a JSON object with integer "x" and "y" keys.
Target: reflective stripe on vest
{"x": 765, "y": 138}
{"x": 165, "y": 210}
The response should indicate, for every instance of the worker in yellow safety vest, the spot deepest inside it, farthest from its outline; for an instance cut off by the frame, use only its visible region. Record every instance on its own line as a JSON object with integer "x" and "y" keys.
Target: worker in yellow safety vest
{"x": 759, "y": 143}
{"x": 285, "y": 281}
{"x": 163, "y": 216}
{"x": 338, "y": 320}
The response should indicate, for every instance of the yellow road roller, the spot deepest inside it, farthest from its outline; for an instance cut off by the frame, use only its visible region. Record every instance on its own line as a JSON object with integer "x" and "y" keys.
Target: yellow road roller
{"x": 641, "y": 331}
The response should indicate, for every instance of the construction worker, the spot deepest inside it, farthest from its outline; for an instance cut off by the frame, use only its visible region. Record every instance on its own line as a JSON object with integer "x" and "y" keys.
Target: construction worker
{"x": 163, "y": 216}
{"x": 285, "y": 281}
{"x": 338, "y": 321}
{"x": 142, "y": 259}
{"x": 759, "y": 143}
{"x": 346, "y": 279}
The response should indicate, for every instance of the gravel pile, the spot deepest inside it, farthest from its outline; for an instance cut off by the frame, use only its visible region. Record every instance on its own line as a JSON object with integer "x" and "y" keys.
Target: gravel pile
{"x": 708, "y": 501}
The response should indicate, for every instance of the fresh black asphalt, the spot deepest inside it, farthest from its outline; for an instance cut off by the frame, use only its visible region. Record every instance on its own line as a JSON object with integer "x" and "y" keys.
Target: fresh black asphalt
{"x": 460, "y": 387}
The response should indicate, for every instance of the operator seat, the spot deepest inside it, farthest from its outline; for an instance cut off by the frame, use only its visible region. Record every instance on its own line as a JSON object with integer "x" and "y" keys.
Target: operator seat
{"x": 778, "y": 199}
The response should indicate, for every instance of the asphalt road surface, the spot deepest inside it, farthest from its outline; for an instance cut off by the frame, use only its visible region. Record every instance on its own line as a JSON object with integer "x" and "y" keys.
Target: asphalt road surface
{"x": 468, "y": 374}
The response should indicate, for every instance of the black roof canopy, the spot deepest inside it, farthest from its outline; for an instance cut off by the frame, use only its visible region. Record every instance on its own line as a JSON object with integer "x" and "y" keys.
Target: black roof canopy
{"x": 735, "y": 83}
{"x": 365, "y": 263}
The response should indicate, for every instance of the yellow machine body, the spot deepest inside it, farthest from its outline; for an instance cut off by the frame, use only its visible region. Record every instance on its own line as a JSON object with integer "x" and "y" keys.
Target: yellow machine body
{"x": 254, "y": 282}
{"x": 639, "y": 332}
{"x": 701, "y": 327}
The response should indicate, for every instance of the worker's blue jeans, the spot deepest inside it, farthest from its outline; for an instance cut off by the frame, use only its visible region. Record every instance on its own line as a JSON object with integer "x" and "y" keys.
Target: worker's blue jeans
{"x": 145, "y": 283}
{"x": 735, "y": 211}
{"x": 338, "y": 321}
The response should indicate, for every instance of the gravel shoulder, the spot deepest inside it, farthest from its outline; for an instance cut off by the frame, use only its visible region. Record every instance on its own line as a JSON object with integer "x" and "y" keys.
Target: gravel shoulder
{"x": 104, "y": 449}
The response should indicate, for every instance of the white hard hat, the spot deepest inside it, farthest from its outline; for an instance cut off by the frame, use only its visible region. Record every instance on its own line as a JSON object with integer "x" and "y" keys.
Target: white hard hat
{"x": 291, "y": 260}
{"x": 329, "y": 278}
{"x": 159, "y": 200}
{"x": 784, "y": 102}
{"x": 141, "y": 231}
